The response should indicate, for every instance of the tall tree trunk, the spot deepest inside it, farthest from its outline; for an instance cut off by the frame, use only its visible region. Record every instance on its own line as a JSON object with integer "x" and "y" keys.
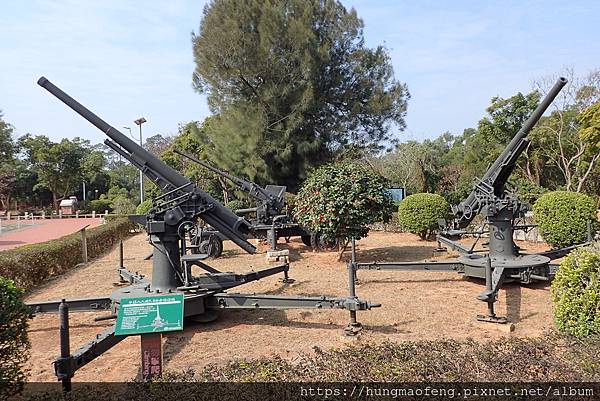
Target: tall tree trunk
{"x": 55, "y": 201}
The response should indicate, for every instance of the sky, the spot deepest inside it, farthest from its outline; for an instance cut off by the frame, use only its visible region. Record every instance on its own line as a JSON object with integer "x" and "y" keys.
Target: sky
{"x": 128, "y": 59}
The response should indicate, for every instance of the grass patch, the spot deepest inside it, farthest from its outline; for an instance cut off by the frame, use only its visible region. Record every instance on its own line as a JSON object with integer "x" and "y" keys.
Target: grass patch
{"x": 549, "y": 358}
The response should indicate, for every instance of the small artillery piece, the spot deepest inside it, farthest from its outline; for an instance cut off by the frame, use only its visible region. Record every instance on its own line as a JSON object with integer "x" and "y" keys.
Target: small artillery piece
{"x": 500, "y": 209}
{"x": 271, "y": 222}
{"x": 270, "y": 199}
{"x": 171, "y": 216}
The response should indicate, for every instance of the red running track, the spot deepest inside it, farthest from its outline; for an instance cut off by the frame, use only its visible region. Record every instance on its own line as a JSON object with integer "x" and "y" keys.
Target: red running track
{"x": 43, "y": 230}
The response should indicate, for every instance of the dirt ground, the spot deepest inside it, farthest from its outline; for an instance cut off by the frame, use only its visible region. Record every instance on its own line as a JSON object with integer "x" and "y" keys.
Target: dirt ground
{"x": 416, "y": 305}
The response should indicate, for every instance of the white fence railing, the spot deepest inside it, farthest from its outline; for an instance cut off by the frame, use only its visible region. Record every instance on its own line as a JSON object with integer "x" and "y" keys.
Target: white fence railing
{"x": 9, "y": 222}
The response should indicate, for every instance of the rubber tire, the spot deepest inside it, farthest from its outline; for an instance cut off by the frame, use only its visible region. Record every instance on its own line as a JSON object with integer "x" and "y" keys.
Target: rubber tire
{"x": 306, "y": 240}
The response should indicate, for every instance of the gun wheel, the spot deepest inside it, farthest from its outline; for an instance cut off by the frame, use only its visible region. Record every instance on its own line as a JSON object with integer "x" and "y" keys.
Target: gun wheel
{"x": 320, "y": 242}
{"x": 212, "y": 246}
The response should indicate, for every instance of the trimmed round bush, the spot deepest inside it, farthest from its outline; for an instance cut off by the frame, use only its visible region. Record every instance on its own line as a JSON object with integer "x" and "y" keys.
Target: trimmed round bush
{"x": 419, "y": 213}
{"x": 576, "y": 293}
{"x": 14, "y": 344}
{"x": 562, "y": 217}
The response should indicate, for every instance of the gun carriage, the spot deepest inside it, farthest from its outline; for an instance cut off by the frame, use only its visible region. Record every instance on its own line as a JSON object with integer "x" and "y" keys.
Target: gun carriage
{"x": 168, "y": 223}
{"x": 504, "y": 260}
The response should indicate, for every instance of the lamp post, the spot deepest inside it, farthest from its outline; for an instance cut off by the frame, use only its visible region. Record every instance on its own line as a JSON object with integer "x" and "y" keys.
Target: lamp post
{"x": 139, "y": 122}
{"x": 121, "y": 157}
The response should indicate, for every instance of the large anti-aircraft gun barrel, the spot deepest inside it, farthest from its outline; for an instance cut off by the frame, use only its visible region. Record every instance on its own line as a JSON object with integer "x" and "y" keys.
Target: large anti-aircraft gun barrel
{"x": 168, "y": 180}
{"x": 172, "y": 176}
{"x": 493, "y": 182}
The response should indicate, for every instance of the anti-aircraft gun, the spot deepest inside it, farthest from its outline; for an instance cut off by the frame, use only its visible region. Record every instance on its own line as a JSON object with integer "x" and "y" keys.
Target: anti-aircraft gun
{"x": 270, "y": 199}
{"x": 172, "y": 214}
{"x": 271, "y": 222}
{"x": 488, "y": 197}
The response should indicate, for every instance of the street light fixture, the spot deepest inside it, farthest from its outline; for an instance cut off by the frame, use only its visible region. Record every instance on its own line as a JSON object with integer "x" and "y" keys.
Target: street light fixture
{"x": 121, "y": 157}
{"x": 139, "y": 122}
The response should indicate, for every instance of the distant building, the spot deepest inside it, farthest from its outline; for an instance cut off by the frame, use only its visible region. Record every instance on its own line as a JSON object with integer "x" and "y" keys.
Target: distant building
{"x": 68, "y": 206}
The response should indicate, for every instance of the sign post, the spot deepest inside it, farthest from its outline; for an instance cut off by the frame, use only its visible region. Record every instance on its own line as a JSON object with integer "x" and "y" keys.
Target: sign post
{"x": 150, "y": 316}
{"x": 152, "y": 359}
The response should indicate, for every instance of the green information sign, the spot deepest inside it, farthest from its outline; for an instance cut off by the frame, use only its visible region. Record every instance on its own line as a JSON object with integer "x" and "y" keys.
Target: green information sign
{"x": 150, "y": 315}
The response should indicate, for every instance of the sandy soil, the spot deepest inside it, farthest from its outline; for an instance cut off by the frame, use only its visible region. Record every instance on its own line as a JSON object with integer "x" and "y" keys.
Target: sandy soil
{"x": 416, "y": 305}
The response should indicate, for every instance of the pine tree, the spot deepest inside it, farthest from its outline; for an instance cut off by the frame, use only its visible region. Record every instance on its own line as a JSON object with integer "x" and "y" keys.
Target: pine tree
{"x": 292, "y": 83}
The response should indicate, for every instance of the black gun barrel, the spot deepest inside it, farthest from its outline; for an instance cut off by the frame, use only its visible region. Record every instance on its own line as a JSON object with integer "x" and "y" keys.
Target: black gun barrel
{"x": 150, "y": 160}
{"x": 252, "y": 188}
{"x": 494, "y": 169}
{"x": 497, "y": 174}
{"x": 215, "y": 170}
{"x": 229, "y": 224}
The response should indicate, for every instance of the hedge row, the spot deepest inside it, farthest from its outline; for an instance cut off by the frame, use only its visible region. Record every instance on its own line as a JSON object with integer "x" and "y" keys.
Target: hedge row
{"x": 29, "y": 265}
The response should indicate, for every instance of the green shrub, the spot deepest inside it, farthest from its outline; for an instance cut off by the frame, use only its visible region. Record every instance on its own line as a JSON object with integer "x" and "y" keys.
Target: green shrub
{"x": 340, "y": 200}
{"x": 576, "y": 293}
{"x": 235, "y": 204}
{"x": 528, "y": 191}
{"x": 101, "y": 205}
{"x": 31, "y": 264}
{"x": 419, "y": 213}
{"x": 563, "y": 216}
{"x": 143, "y": 207}
{"x": 14, "y": 344}
{"x": 290, "y": 203}
{"x": 122, "y": 205}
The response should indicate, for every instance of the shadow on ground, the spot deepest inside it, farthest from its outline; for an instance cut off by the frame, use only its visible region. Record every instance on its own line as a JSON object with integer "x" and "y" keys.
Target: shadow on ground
{"x": 396, "y": 254}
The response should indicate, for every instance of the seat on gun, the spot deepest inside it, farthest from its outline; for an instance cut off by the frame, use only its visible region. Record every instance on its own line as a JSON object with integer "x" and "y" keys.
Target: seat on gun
{"x": 188, "y": 261}
{"x": 443, "y": 224}
{"x": 194, "y": 257}
{"x": 276, "y": 190}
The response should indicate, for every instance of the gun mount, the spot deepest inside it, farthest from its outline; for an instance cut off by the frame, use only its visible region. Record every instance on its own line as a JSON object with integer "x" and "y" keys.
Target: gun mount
{"x": 504, "y": 259}
{"x": 172, "y": 216}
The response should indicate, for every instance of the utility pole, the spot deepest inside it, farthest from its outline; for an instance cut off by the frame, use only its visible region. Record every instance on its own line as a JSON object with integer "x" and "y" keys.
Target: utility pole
{"x": 121, "y": 157}
{"x": 139, "y": 122}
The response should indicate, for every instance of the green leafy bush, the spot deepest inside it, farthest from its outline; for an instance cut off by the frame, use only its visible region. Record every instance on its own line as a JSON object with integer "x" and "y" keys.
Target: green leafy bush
{"x": 101, "y": 205}
{"x": 290, "y": 203}
{"x": 528, "y": 191}
{"x": 31, "y": 264}
{"x": 419, "y": 213}
{"x": 340, "y": 200}
{"x": 143, "y": 207}
{"x": 563, "y": 216}
{"x": 121, "y": 205}
{"x": 236, "y": 205}
{"x": 576, "y": 293}
{"x": 14, "y": 344}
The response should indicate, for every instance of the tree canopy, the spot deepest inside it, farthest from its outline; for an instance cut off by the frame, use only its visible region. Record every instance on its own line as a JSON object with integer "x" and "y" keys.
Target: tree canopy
{"x": 292, "y": 83}
{"x": 563, "y": 153}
